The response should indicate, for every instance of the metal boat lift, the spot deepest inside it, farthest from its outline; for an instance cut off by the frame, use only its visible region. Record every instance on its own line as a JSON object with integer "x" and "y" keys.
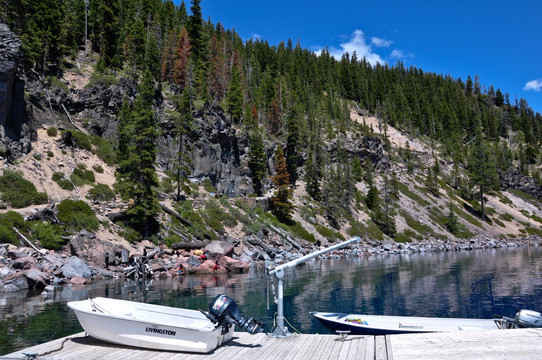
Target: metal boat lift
{"x": 280, "y": 330}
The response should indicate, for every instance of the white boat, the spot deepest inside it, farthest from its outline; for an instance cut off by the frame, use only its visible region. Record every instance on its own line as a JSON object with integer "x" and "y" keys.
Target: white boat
{"x": 383, "y": 325}
{"x": 155, "y": 326}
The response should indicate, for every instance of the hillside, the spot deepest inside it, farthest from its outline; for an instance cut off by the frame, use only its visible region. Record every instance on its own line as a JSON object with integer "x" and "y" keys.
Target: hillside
{"x": 419, "y": 214}
{"x": 189, "y": 134}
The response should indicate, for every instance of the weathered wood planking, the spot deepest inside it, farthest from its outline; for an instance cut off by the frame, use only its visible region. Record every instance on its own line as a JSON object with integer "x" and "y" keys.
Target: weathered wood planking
{"x": 493, "y": 344}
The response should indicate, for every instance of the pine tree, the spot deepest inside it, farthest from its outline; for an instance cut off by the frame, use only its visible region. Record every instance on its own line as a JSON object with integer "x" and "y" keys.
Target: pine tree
{"x": 257, "y": 161}
{"x": 234, "y": 97}
{"x": 282, "y": 207}
{"x": 482, "y": 169}
{"x": 292, "y": 145}
{"x": 180, "y": 64}
{"x": 136, "y": 176}
{"x": 198, "y": 42}
{"x": 184, "y": 123}
{"x": 453, "y": 224}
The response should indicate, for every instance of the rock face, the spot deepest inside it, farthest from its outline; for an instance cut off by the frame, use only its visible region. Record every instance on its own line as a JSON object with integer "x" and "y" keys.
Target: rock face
{"x": 217, "y": 150}
{"x": 92, "y": 250}
{"x": 15, "y": 134}
{"x": 515, "y": 180}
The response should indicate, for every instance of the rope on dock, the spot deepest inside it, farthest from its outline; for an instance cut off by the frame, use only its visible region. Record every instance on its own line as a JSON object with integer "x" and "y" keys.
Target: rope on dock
{"x": 33, "y": 356}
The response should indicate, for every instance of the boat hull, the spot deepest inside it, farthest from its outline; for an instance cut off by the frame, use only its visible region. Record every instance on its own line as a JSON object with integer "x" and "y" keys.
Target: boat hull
{"x": 387, "y": 325}
{"x": 149, "y": 326}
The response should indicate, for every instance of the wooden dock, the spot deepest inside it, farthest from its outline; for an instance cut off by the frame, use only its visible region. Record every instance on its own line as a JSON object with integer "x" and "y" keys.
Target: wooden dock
{"x": 493, "y": 344}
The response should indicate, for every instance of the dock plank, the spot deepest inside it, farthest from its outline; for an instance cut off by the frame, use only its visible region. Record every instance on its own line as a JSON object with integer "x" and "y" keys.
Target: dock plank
{"x": 370, "y": 348}
{"x": 493, "y": 344}
{"x": 320, "y": 343}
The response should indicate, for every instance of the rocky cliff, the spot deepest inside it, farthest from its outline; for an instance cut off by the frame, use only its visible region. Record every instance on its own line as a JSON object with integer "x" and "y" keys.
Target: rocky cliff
{"x": 15, "y": 134}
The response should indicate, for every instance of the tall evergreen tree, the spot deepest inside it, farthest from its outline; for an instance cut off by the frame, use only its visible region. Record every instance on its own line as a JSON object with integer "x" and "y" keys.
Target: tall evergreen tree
{"x": 482, "y": 169}
{"x": 282, "y": 206}
{"x": 234, "y": 97}
{"x": 257, "y": 160}
{"x": 136, "y": 176}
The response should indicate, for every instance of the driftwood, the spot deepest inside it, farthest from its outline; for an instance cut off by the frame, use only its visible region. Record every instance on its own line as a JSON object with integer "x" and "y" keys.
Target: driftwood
{"x": 175, "y": 214}
{"x": 45, "y": 214}
{"x": 25, "y": 239}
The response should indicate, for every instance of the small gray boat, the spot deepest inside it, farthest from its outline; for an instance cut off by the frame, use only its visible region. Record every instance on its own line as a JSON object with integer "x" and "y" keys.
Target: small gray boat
{"x": 383, "y": 325}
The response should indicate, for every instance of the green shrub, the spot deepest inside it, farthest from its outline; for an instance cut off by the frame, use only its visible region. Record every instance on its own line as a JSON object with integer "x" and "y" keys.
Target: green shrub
{"x": 166, "y": 185}
{"x": 506, "y": 217}
{"x": 48, "y": 235}
{"x": 100, "y": 78}
{"x": 208, "y": 186}
{"x": 19, "y": 192}
{"x": 81, "y": 176}
{"x": 300, "y": 232}
{"x": 55, "y": 83}
{"x": 405, "y": 236}
{"x": 406, "y": 191}
{"x": 130, "y": 234}
{"x": 198, "y": 228}
{"x": 77, "y": 215}
{"x": 64, "y": 183}
{"x": 37, "y": 157}
{"x": 52, "y": 131}
{"x": 416, "y": 225}
{"x": 101, "y": 192}
{"x": 103, "y": 149}
{"x": 82, "y": 139}
{"x": 50, "y": 154}
{"x": 98, "y": 168}
{"x": 328, "y": 233}
{"x": 8, "y": 221}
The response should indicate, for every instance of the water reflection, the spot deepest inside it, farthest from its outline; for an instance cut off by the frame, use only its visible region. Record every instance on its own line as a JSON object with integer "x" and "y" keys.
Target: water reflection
{"x": 475, "y": 284}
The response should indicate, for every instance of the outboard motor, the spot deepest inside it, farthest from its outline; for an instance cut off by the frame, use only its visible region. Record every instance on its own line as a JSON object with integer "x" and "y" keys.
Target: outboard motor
{"x": 224, "y": 311}
{"x": 528, "y": 319}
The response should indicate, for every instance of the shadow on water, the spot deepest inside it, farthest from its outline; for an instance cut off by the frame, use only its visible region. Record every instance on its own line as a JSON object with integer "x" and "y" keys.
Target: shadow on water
{"x": 475, "y": 284}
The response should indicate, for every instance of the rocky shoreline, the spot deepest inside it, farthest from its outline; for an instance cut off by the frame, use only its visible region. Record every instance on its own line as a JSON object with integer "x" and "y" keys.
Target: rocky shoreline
{"x": 86, "y": 259}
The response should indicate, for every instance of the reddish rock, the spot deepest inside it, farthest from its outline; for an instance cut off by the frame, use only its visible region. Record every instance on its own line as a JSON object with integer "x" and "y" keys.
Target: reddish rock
{"x": 206, "y": 267}
{"x": 233, "y": 265}
{"x": 77, "y": 280}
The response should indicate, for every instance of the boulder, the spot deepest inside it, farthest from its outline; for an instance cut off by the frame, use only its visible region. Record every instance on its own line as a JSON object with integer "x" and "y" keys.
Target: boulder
{"x": 15, "y": 254}
{"x": 77, "y": 280}
{"x": 76, "y": 268}
{"x": 24, "y": 263}
{"x": 217, "y": 249}
{"x": 36, "y": 278}
{"x": 92, "y": 250}
{"x": 206, "y": 267}
{"x": 233, "y": 265}
{"x": 193, "y": 261}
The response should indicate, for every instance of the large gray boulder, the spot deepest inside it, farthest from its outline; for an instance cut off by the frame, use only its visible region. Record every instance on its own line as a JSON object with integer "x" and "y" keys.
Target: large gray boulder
{"x": 92, "y": 250}
{"x": 76, "y": 268}
{"x": 36, "y": 278}
{"x": 216, "y": 249}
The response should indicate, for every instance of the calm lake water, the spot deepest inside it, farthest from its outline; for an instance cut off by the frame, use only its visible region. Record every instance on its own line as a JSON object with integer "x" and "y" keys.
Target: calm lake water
{"x": 474, "y": 284}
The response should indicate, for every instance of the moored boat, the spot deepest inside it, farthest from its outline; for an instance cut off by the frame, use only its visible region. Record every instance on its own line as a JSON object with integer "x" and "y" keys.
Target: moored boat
{"x": 383, "y": 325}
{"x": 162, "y": 327}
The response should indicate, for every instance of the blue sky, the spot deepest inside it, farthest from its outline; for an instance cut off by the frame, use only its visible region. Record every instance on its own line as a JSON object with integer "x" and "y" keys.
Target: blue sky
{"x": 500, "y": 41}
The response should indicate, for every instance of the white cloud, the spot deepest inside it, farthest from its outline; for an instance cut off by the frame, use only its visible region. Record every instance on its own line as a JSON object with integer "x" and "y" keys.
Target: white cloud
{"x": 356, "y": 44}
{"x": 378, "y": 42}
{"x": 397, "y": 54}
{"x": 257, "y": 37}
{"x": 535, "y": 85}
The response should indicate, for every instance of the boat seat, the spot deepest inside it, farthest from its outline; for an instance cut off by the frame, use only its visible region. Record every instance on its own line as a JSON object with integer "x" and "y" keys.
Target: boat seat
{"x": 410, "y": 325}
